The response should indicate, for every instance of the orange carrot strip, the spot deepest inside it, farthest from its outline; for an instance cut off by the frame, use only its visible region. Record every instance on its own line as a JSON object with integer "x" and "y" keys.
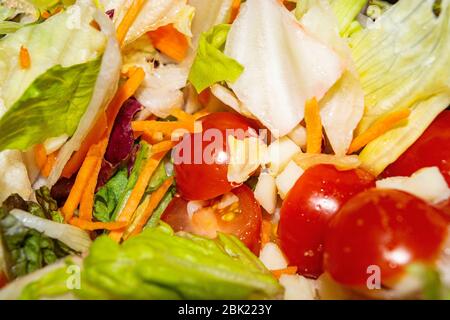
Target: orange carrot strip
{"x": 163, "y": 146}
{"x": 128, "y": 20}
{"x": 45, "y": 14}
{"x": 289, "y": 270}
{"x": 87, "y": 199}
{"x": 24, "y": 58}
{"x": 379, "y": 128}
{"x": 80, "y": 184}
{"x": 105, "y": 122}
{"x": 138, "y": 191}
{"x": 51, "y": 160}
{"x": 94, "y": 135}
{"x": 170, "y": 41}
{"x": 236, "y": 5}
{"x": 266, "y": 232}
{"x": 40, "y": 156}
{"x": 91, "y": 226}
{"x": 155, "y": 199}
{"x": 166, "y": 127}
{"x": 313, "y": 127}
{"x": 182, "y": 115}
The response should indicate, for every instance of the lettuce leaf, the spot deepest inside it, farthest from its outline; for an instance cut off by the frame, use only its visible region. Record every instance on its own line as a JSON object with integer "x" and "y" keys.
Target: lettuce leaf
{"x": 157, "y": 264}
{"x": 211, "y": 65}
{"x": 346, "y": 12}
{"x": 108, "y": 196}
{"x": 53, "y": 105}
{"x": 402, "y": 61}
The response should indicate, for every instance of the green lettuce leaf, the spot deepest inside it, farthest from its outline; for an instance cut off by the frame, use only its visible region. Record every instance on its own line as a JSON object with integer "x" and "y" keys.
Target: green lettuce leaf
{"x": 53, "y": 105}
{"x": 49, "y": 205}
{"x": 157, "y": 264}
{"x": 346, "y": 12}
{"x": 107, "y": 198}
{"x": 156, "y": 216}
{"x": 27, "y": 250}
{"x": 211, "y": 65}
{"x": 402, "y": 61}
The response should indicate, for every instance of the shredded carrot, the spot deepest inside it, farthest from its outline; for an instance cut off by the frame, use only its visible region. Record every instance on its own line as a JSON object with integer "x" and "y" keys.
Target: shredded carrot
{"x": 45, "y": 14}
{"x": 49, "y": 164}
{"x": 170, "y": 41}
{"x": 80, "y": 184}
{"x": 40, "y": 156}
{"x": 105, "y": 122}
{"x": 91, "y": 226}
{"x": 236, "y": 5}
{"x": 379, "y": 128}
{"x": 24, "y": 57}
{"x": 182, "y": 115}
{"x": 201, "y": 113}
{"x": 128, "y": 20}
{"x": 150, "y": 137}
{"x": 87, "y": 199}
{"x": 138, "y": 191}
{"x": 266, "y": 232}
{"x": 289, "y": 270}
{"x": 155, "y": 199}
{"x": 313, "y": 127}
{"x": 166, "y": 127}
{"x": 163, "y": 146}
{"x": 94, "y": 135}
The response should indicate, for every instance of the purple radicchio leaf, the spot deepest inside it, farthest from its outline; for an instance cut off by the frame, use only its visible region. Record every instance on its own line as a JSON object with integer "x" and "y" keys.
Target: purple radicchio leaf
{"x": 110, "y": 13}
{"x": 122, "y": 140}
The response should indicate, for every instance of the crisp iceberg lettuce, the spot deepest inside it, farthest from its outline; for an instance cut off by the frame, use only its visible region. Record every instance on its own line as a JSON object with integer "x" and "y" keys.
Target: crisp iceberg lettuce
{"x": 403, "y": 60}
{"x": 285, "y": 66}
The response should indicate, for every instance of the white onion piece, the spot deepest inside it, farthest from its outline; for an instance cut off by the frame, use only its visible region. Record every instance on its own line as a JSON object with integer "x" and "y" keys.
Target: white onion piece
{"x": 104, "y": 90}
{"x": 272, "y": 257}
{"x": 73, "y": 237}
{"x": 193, "y": 206}
{"x": 284, "y": 65}
{"x": 53, "y": 144}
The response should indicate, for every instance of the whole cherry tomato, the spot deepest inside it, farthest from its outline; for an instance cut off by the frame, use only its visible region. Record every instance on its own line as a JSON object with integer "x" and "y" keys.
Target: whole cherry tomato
{"x": 316, "y": 196}
{"x": 387, "y": 229}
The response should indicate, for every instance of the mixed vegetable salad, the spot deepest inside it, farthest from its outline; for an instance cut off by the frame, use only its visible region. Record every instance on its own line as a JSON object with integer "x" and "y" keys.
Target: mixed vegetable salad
{"x": 224, "y": 149}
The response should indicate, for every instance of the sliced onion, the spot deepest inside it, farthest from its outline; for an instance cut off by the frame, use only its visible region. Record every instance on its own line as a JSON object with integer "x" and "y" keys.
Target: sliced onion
{"x": 73, "y": 237}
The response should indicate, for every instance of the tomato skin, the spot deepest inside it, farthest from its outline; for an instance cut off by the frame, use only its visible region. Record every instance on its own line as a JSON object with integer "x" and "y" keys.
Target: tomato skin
{"x": 3, "y": 279}
{"x": 386, "y": 228}
{"x": 196, "y": 178}
{"x": 317, "y": 195}
{"x": 246, "y": 225}
{"x": 431, "y": 149}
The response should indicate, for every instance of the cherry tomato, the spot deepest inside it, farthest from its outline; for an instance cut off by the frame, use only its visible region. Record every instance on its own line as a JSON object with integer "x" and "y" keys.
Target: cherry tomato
{"x": 388, "y": 229}
{"x": 202, "y": 174}
{"x": 242, "y": 219}
{"x": 431, "y": 149}
{"x": 316, "y": 196}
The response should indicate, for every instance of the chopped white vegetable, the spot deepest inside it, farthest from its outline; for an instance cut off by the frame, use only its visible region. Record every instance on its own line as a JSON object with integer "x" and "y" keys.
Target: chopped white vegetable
{"x": 266, "y": 192}
{"x": 227, "y": 200}
{"x": 426, "y": 183}
{"x": 272, "y": 257}
{"x": 53, "y": 144}
{"x": 298, "y": 135}
{"x": 286, "y": 179}
{"x": 298, "y": 288}
{"x": 280, "y": 152}
{"x": 194, "y": 206}
{"x": 284, "y": 65}
{"x": 246, "y": 156}
{"x": 13, "y": 175}
{"x": 74, "y": 237}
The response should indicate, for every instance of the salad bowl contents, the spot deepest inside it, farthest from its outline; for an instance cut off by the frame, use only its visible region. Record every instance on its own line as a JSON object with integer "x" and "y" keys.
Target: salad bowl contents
{"x": 225, "y": 149}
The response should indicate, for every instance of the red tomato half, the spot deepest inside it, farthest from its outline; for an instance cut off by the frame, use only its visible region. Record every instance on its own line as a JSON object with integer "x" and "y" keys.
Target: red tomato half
{"x": 431, "y": 149}
{"x": 385, "y": 228}
{"x": 242, "y": 219}
{"x": 202, "y": 174}
{"x": 317, "y": 195}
